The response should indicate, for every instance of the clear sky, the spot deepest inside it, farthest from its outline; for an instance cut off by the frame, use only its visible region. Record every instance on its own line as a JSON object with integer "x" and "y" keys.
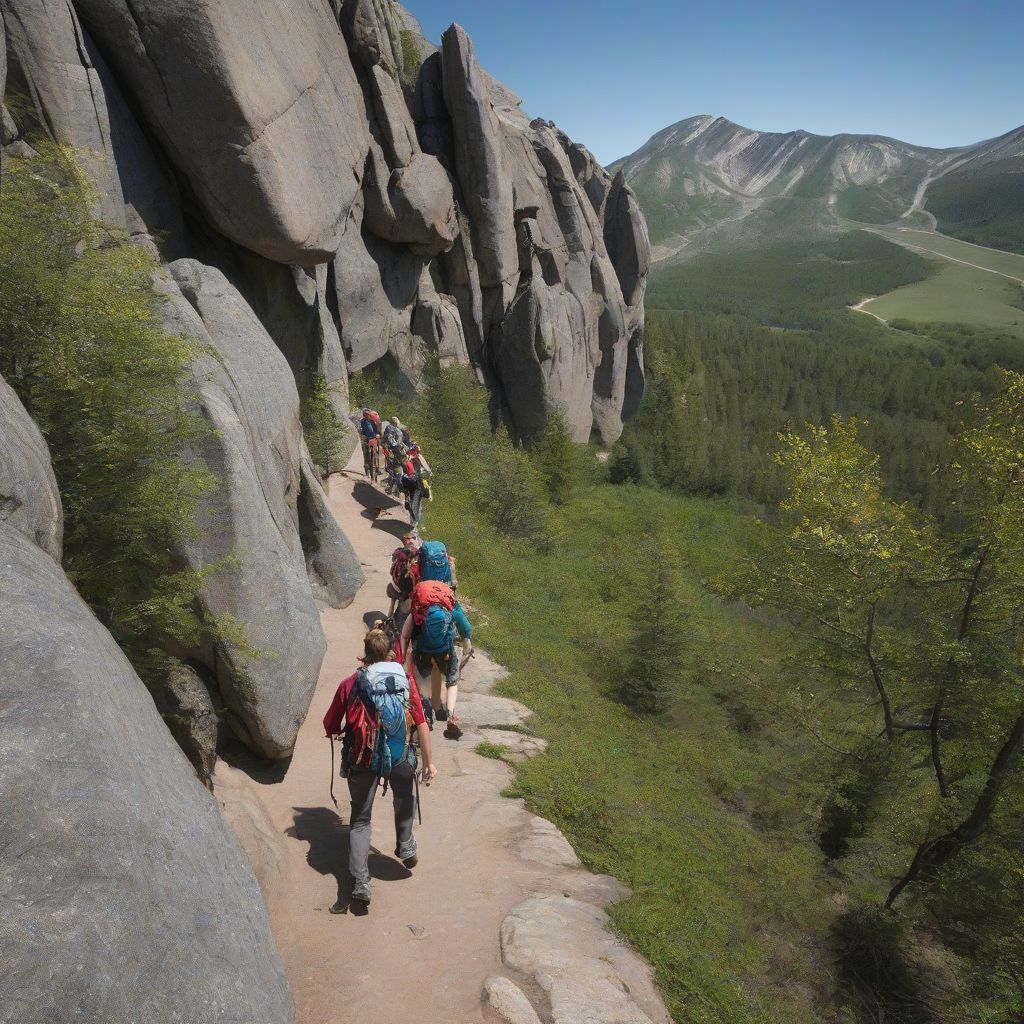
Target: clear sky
{"x": 613, "y": 72}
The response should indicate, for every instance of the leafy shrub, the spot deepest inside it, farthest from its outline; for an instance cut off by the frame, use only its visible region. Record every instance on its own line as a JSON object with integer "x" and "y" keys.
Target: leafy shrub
{"x": 81, "y": 344}
{"x": 324, "y": 432}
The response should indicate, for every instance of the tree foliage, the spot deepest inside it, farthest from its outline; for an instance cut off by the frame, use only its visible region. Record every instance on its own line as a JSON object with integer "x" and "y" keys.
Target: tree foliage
{"x": 915, "y": 635}
{"x": 81, "y": 344}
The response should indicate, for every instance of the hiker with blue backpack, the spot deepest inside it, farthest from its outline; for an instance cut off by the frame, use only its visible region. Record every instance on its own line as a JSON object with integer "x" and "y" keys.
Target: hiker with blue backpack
{"x": 381, "y": 712}
{"x": 431, "y": 654}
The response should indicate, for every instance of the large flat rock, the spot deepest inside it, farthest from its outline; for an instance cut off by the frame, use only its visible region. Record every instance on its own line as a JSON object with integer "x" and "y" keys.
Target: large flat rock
{"x": 125, "y": 895}
{"x": 589, "y": 976}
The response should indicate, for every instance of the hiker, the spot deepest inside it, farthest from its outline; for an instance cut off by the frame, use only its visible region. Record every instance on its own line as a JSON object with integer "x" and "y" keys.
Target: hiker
{"x": 433, "y": 562}
{"x": 428, "y": 636}
{"x": 380, "y": 710}
{"x": 413, "y": 485}
{"x": 403, "y": 577}
{"x": 395, "y": 450}
{"x": 369, "y": 437}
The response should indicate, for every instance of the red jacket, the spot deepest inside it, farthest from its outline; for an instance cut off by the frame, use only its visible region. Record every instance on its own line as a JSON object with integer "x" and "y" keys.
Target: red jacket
{"x": 335, "y": 717}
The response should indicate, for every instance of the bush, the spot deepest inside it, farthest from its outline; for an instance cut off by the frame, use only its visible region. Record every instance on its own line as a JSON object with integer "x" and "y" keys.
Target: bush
{"x": 81, "y": 344}
{"x": 324, "y": 432}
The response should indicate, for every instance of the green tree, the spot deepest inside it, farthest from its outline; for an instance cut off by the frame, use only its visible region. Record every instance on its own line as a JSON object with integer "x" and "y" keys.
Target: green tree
{"x": 323, "y": 431}
{"x": 658, "y": 624}
{"x": 81, "y": 343}
{"x": 558, "y": 458}
{"x": 925, "y": 622}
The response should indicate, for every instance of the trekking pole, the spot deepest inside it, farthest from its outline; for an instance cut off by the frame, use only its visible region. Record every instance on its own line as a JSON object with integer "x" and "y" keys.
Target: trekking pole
{"x": 332, "y": 771}
{"x": 419, "y": 806}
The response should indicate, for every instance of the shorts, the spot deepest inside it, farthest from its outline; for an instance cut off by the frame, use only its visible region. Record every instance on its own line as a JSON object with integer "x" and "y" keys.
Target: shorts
{"x": 394, "y": 594}
{"x": 447, "y": 664}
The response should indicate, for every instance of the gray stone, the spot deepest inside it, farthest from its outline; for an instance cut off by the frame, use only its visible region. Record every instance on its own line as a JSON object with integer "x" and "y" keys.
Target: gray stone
{"x": 75, "y": 99}
{"x": 518, "y": 746}
{"x": 292, "y": 304}
{"x": 259, "y": 109}
{"x": 505, "y": 1001}
{"x": 484, "y": 709}
{"x": 29, "y": 498}
{"x": 383, "y": 32}
{"x": 625, "y": 234}
{"x": 189, "y": 711}
{"x": 564, "y": 945}
{"x": 125, "y": 896}
{"x": 331, "y": 562}
{"x": 249, "y": 527}
{"x": 543, "y": 843}
{"x": 486, "y": 187}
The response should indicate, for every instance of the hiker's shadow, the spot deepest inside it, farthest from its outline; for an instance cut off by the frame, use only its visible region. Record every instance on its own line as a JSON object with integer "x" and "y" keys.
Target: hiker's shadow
{"x": 372, "y": 500}
{"x": 327, "y": 836}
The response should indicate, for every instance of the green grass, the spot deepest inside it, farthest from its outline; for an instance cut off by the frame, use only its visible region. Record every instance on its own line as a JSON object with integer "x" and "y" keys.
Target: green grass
{"x": 493, "y": 751}
{"x": 991, "y": 297}
{"x": 703, "y": 814}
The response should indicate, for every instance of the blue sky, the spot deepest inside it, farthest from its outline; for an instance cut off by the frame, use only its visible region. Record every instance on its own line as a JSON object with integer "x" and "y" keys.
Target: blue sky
{"x": 939, "y": 73}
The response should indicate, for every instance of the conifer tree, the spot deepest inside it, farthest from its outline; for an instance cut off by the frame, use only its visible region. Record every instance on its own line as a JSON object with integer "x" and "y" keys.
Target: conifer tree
{"x": 658, "y": 624}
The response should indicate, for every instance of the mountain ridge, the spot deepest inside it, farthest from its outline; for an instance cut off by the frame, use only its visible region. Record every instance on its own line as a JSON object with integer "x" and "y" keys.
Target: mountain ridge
{"x": 701, "y": 180}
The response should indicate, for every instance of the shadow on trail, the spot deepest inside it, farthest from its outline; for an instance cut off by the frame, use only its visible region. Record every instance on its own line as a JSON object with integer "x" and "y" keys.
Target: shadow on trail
{"x": 373, "y": 500}
{"x": 327, "y": 836}
{"x": 371, "y": 617}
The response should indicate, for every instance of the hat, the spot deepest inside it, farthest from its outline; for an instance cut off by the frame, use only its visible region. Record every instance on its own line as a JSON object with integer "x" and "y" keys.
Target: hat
{"x": 396, "y": 421}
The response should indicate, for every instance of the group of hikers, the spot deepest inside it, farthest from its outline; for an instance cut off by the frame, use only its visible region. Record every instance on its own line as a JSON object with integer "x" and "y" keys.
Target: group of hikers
{"x": 390, "y": 451}
{"x": 409, "y": 675}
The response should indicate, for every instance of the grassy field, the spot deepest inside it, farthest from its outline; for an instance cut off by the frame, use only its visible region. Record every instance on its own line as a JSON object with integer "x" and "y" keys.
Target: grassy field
{"x": 988, "y": 293}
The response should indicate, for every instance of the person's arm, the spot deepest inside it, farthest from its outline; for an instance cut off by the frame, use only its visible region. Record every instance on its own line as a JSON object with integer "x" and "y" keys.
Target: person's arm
{"x": 455, "y": 575}
{"x": 407, "y": 644}
{"x": 339, "y": 706}
{"x": 465, "y": 631}
{"x": 429, "y": 770}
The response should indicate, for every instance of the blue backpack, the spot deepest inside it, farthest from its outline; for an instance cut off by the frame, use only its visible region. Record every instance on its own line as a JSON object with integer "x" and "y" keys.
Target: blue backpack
{"x": 437, "y": 634}
{"x": 434, "y": 564}
{"x": 384, "y": 687}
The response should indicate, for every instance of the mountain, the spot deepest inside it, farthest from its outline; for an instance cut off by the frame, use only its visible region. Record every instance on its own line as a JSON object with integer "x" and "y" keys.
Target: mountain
{"x": 707, "y": 180}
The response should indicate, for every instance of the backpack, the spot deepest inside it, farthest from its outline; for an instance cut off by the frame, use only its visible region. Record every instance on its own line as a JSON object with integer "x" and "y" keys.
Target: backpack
{"x": 401, "y": 570}
{"x": 375, "y": 418}
{"x": 378, "y": 720}
{"x": 428, "y": 593}
{"x": 437, "y": 634}
{"x": 434, "y": 564}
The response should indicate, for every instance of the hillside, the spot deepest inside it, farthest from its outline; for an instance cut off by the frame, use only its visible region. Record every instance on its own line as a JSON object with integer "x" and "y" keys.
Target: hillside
{"x": 706, "y": 181}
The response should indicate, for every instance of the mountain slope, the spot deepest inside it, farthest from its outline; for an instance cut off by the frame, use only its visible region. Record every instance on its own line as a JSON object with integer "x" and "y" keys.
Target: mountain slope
{"x": 707, "y": 180}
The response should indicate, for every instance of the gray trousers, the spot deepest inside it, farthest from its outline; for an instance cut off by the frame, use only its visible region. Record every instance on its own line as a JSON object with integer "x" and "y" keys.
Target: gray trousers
{"x": 362, "y": 787}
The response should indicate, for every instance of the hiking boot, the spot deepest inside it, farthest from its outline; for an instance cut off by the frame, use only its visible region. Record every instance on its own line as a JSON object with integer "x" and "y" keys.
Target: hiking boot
{"x": 441, "y": 714}
{"x": 408, "y": 862}
{"x": 361, "y": 893}
{"x": 452, "y": 730}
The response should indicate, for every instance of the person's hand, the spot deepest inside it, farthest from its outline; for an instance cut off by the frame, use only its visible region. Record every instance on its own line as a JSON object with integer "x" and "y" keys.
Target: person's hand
{"x": 428, "y": 774}
{"x": 467, "y": 653}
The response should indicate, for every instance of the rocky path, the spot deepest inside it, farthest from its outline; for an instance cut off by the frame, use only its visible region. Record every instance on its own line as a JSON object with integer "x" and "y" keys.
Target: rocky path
{"x": 498, "y": 902}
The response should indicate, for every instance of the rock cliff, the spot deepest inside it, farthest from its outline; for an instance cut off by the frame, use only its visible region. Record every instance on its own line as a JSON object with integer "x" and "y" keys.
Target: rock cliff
{"x": 126, "y": 896}
{"x": 368, "y": 193}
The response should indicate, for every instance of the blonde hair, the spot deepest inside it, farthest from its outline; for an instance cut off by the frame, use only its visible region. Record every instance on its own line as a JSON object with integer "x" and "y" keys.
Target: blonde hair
{"x": 377, "y": 647}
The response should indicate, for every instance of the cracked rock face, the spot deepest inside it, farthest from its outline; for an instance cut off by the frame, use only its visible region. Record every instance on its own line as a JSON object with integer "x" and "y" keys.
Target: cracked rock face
{"x": 29, "y": 499}
{"x": 259, "y": 109}
{"x": 250, "y": 527}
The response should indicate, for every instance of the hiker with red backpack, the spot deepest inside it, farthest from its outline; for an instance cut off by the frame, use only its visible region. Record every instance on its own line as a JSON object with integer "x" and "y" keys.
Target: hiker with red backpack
{"x": 380, "y": 711}
{"x": 403, "y": 578}
{"x": 429, "y": 640}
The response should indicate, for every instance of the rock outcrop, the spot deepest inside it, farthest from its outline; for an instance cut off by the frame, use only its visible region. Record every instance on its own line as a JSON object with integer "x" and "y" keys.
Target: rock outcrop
{"x": 261, "y": 113}
{"x": 29, "y": 499}
{"x": 249, "y": 530}
{"x": 125, "y": 895}
{"x": 73, "y": 97}
{"x": 431, "y": 215}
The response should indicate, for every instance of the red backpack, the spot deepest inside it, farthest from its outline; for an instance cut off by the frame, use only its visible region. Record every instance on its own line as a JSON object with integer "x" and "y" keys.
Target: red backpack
{"x": 426, "y": 595}
{"x": 401, "y": 569}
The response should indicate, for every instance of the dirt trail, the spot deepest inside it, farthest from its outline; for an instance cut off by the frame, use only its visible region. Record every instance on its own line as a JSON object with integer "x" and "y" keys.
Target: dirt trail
{"x": 431, "y": 937}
